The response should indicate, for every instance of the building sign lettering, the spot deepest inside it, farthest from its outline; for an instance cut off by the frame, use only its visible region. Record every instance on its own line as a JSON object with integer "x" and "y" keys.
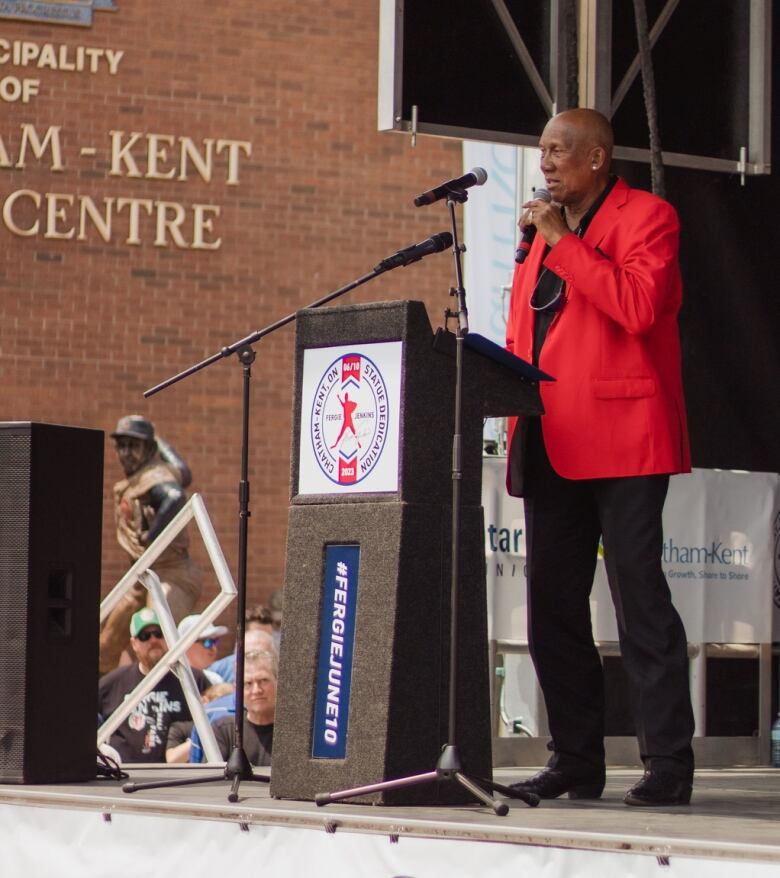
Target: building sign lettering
{"x": 113, "y": 217}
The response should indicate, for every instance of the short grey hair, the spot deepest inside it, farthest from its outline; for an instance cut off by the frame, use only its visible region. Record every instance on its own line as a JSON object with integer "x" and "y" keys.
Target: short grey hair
{"x": 262, "y": 657}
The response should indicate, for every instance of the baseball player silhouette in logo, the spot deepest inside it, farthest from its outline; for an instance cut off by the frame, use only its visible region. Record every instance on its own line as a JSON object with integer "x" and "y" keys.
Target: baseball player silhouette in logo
{"x": 348, "y": 408}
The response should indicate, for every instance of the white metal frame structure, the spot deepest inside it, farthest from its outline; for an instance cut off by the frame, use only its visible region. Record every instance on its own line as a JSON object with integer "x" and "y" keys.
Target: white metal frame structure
{"x": 175, "y": 658}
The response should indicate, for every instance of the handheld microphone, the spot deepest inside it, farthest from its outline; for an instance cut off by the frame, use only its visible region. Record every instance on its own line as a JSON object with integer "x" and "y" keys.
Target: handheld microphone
{"x": 475, "y": 177}
{"x": 434, "y": 244}
{"x": 529, "y": 232}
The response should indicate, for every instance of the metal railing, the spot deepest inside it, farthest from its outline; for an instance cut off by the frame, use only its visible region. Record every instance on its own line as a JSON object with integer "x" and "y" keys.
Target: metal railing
{"x": 698, "y": 653}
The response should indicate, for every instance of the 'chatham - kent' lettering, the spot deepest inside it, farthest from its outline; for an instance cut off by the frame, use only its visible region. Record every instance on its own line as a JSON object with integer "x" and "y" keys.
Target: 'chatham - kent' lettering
{"x": 114, "y": 218}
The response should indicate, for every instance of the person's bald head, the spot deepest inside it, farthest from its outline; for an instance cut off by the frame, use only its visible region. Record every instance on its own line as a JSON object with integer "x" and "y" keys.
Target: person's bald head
{"x": 589, "y": 128}
{"x": 576, "y": 147}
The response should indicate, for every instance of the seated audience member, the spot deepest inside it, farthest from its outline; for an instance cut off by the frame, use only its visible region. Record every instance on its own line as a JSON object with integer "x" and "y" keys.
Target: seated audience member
{"x": 177, "y": 747}
{"x": 260, "y": 672}
{"x": 255, "y": 641}
{"x": 179, "y": 744}
{"x": 203, "y": 651}
{"x": 259, "y": 618}
{"x": 142, "y": 736}
{"x": 257, "y": 621}
{"x": 225, "y": 705}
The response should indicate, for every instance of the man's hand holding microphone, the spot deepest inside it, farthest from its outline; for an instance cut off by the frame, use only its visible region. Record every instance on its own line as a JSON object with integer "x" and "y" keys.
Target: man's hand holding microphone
{"x": 541, "y": 215}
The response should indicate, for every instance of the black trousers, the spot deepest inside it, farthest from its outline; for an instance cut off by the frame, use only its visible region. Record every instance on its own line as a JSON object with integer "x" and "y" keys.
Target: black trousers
{"x": 564, "y": 520}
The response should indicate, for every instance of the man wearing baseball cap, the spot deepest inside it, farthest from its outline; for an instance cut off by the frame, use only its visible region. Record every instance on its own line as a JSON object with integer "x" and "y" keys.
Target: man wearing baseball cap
{"x": 143, "y": 735}
{"x": 145, "y": 501}
{"x": 203, "y": 651}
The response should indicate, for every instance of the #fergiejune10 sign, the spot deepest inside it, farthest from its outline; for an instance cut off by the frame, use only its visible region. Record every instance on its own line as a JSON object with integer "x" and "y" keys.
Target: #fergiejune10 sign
{"x": 350, "y": 411}
{"x": 337, "y": 638}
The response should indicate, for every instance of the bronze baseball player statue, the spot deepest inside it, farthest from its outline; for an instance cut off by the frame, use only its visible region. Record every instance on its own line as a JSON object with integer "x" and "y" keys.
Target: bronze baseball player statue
{"x": 145, "y": 501}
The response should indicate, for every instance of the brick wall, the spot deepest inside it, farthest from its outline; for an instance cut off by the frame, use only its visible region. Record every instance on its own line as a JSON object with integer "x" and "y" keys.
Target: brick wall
{"x": 87, "y": 325}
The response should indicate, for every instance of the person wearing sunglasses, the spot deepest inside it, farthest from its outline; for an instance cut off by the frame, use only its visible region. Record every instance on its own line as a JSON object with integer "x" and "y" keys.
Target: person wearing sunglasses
{"x": 143, "y": 735}
{"x": 204, "y": 650}
{"x": 595, "y": 304}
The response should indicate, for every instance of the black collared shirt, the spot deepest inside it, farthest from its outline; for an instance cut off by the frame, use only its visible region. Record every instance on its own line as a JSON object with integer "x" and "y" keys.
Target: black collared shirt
{"x": 549, "y": 285}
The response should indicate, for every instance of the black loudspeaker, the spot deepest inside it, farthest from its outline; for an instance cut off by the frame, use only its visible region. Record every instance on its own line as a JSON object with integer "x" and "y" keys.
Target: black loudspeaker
{"x": 51, "y": 499}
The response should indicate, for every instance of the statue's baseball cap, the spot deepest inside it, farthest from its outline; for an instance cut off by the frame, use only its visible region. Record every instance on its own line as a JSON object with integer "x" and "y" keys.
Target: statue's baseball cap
{"x": 135, "y": 426}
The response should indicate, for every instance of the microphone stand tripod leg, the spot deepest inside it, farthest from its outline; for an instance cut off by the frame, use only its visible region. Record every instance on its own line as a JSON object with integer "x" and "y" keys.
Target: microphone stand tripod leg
{"x": 530, "y": 799}
{"x": 500, "y": 808}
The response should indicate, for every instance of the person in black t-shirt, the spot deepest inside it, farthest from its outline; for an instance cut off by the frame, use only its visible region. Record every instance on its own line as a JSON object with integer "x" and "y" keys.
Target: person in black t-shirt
{"x": 260, "y": 671}
{"x": 143, "y": 735}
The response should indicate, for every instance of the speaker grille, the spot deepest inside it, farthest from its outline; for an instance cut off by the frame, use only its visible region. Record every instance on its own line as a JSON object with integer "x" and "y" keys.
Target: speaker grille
{"x": 15, "y": 451}
{"x": 51, "y": 484}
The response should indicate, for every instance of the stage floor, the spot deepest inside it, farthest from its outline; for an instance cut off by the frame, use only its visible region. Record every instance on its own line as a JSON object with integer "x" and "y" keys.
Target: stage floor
{"x": 734, "y": 814}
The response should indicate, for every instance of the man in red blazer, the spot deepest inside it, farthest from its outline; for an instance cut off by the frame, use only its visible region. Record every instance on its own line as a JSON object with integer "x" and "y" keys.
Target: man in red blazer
{"x": 595, "y": 305}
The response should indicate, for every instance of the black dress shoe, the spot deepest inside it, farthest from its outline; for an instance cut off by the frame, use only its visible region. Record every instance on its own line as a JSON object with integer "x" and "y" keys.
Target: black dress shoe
{"x": 550, "y": 783}
{"x": 659, "y": 788}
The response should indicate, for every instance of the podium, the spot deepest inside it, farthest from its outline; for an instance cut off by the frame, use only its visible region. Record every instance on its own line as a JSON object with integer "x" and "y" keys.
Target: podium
{"x": 364, "y": 665}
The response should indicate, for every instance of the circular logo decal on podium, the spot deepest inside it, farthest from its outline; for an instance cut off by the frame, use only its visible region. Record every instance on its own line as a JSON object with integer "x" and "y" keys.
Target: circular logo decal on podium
{"x": 349, "y": 419}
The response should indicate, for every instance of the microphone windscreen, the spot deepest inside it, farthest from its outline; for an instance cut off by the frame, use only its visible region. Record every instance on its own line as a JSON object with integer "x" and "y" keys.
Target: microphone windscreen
{"x": 443, "y": 240}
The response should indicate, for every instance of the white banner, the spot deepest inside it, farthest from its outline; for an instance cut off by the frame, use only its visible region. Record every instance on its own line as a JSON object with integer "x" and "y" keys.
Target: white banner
{"x": 84, "y": 844}
{"x": 490, "y": 235}
{"x": 719, "y": 557}
{"x": 490, "y": 230}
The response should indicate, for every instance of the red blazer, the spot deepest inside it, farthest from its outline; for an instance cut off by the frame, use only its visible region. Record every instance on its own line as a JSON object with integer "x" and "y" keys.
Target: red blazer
{"x": 617, "y": 407}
